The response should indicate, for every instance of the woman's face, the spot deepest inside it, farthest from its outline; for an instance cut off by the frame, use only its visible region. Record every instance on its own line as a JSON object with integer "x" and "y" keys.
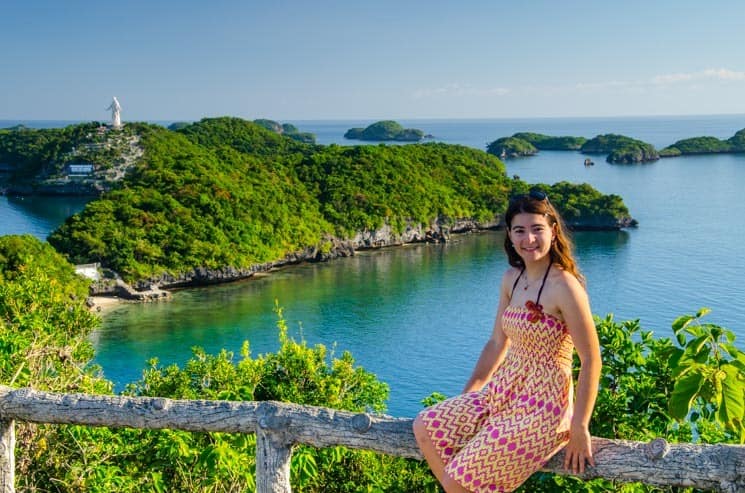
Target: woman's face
{"x": 532, "y": 235}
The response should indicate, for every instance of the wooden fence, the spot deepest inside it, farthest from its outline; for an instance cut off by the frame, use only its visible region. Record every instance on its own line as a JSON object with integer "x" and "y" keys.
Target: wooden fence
{"x": 278, "y": 426}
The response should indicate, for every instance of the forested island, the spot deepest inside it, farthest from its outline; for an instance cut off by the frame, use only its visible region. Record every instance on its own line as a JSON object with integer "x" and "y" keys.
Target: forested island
{"x": 224, "y": 198}
{"x": 384, "y": 131}
{"x": 706, "y": 145}
{"x": 618, "y": 148}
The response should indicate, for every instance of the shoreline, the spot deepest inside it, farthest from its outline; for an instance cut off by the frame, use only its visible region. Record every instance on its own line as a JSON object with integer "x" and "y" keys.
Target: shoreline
{"x": 102, "y": 304}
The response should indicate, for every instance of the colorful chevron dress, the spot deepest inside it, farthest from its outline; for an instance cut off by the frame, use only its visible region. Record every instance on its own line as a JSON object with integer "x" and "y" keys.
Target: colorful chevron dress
{"x": 494, "y": 439}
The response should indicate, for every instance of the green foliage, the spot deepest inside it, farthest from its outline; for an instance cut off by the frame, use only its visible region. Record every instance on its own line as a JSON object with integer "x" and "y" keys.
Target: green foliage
{"x": 709, "y": 372}
{"x": 385, "y": 130}
{"x": 511, "y": 146}
{"x": 43, "y": 318}
{"x": 42, "y": 153}
{"x": 551, "y": 143}
{"x": 737, "y": 141}
{"x": 670, "y": 151}
{"x": 365, "y": 187}
{"x": 243, "y": 136}
{"x": 188, "y": 206}
{"x": 178, "y": 125}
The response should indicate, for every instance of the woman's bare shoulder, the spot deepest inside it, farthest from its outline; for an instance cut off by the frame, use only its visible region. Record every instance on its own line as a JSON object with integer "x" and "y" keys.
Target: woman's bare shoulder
{"x": 569, "y": 287}
{"x": 508, "y": 279}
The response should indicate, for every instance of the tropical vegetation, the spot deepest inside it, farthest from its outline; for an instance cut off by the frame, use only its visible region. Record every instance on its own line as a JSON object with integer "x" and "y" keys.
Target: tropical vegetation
{"x": 225, "y": 192}
{"x": 41, "y": 153}
{"x": 689, "y": 388}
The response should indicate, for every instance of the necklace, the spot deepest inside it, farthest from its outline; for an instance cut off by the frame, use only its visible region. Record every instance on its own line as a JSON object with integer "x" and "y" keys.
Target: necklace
{"x": 528, "y": 283}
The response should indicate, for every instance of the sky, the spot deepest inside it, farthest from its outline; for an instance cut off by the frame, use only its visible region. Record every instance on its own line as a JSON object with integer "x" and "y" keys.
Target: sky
{"x": 311, "y": 60}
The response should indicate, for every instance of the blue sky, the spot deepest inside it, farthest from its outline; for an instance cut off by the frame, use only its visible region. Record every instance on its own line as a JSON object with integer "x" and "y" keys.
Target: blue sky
{"x": 293, "y": 60}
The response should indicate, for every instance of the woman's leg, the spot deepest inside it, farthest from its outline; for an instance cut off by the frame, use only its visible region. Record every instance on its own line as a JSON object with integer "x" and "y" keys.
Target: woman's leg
{"x": 430, "y": 454}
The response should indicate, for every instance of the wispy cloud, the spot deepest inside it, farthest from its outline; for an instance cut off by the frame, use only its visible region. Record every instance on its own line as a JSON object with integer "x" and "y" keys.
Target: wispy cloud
{"x": 721, "y": 74}
{"x": 457, "y": 89}
{"x": 633, "y": 86}
{"x": 664, "y": 80}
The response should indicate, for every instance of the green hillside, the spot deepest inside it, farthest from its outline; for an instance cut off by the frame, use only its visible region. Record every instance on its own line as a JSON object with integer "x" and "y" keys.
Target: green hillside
{"x": 227, "y": 193}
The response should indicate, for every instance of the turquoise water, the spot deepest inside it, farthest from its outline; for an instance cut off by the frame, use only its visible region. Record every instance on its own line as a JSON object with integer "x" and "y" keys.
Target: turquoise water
{"x": 418, "y": 315}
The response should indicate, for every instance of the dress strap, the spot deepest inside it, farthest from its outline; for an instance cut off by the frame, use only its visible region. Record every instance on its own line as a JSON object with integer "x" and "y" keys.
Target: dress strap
{"x": 545, "y": 276}
{"x": 516, "y": 280}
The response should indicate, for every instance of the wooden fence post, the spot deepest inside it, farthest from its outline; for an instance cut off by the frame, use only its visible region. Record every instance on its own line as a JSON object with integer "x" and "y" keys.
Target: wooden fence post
{"x": 273, "y": 451}
{"x": 7, "y": 456}
{"x": 272, "y": 464}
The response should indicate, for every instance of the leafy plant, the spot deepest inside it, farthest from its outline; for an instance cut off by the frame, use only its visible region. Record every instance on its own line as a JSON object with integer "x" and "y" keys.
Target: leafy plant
{"x": 709, "y": 372}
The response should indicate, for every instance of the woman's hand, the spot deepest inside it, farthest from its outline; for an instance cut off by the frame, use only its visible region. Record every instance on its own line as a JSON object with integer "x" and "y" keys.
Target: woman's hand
{"x": 578, "y": 451}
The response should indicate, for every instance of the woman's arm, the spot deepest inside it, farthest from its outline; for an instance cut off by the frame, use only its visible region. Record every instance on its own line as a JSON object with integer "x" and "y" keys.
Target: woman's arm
{"x": 495, "y": 348}
{"x": 575, "y": 308}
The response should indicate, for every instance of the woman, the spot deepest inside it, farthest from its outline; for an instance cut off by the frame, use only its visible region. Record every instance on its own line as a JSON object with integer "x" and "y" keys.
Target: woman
{"x": 517, "y": 409}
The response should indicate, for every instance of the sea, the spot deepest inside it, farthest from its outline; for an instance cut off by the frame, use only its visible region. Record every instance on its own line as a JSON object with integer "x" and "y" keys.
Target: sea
{"x": 417, "y": 316}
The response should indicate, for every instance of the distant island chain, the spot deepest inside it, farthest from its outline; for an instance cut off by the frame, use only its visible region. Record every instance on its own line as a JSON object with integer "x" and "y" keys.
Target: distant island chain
{"x": 619, "y": 148}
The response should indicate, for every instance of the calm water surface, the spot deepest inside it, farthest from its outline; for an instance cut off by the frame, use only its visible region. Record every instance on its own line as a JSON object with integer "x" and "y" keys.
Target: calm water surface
{"x": 37, "y": 216}
{"x": 417, "y": 316}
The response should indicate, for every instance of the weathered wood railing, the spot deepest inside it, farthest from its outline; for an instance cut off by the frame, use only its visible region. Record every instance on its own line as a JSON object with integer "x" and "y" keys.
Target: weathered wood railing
{"x": 280, "y": 425}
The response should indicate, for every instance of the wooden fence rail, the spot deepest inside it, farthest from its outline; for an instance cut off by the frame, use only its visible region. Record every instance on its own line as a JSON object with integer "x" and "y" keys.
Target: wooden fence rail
{"x": 278, "y": 426}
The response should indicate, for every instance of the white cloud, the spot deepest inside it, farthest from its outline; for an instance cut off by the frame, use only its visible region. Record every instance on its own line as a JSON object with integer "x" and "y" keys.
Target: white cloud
{"x": 721, "y": 74}
{"x": 638, "y": 86}
{"x": 664, "y": 80}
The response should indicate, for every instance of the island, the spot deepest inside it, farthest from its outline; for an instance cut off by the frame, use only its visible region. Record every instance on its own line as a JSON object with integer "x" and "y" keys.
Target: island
{"x": 288, "y": 130}
{"x": 385, "y": 130}
{"x": 511, "y": 147}
{"x": 619, "y": 148}
{"x": 706, "y": 145}
{"x": 529, "y": 143}
{"x": 224, "y": 199}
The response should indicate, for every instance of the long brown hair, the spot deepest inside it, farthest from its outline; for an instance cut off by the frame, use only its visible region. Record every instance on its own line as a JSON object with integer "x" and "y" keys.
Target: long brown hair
{"x": 562, "y": 248}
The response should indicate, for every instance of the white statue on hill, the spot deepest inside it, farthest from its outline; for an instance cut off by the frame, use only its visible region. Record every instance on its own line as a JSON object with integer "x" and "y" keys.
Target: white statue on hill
{"x": 116, "y": 113}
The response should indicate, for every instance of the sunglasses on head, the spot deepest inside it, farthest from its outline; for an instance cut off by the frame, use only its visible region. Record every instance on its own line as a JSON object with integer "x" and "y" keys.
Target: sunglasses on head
{"x": 533, "y": 194}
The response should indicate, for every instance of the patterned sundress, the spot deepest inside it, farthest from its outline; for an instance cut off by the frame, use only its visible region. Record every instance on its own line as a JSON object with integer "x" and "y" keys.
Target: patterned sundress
{"x": 494, "y": 439}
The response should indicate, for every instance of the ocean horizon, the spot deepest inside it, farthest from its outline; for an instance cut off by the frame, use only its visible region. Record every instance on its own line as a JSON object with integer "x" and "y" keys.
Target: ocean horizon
{"x": 660, "y": 131}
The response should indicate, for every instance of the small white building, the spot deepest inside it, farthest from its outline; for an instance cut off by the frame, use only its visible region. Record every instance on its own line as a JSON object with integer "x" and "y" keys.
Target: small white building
{"x": 89, "y": 270}
{"x": 79, "y": 169}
